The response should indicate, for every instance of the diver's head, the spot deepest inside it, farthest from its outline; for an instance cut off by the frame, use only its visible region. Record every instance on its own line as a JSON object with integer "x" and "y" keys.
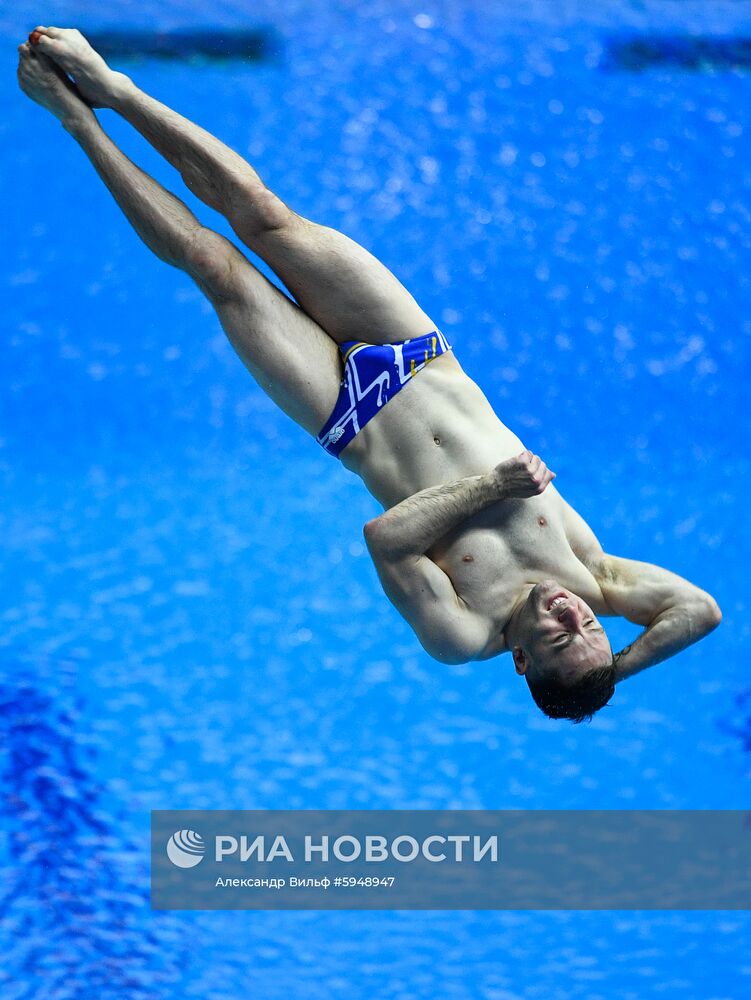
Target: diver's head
{"x": 563, "y": 652}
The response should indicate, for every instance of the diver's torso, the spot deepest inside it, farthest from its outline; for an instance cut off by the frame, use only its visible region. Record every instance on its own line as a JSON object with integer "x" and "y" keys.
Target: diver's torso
{"x": 439, "y": 428}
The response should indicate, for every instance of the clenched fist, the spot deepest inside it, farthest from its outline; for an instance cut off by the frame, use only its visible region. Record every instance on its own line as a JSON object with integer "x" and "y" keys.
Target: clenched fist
{"x": 525, "y": 475}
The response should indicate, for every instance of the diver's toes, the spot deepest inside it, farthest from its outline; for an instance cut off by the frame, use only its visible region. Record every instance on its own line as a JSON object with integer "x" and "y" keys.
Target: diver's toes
{"x": 39, "y": 41}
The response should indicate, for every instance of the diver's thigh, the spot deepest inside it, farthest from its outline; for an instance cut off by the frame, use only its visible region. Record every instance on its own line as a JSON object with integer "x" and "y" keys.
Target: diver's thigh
{"x": 291, "y": 358}
{"x": 340, "y": 284}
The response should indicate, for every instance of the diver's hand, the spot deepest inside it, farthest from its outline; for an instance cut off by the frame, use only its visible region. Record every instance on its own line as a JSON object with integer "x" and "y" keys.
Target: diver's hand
{"x": 523, "y": 476}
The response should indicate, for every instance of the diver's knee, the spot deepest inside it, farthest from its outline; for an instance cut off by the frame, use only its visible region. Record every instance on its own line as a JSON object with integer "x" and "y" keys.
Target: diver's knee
{"x": 212, "y": 261}
{"x": 257, "y": 212}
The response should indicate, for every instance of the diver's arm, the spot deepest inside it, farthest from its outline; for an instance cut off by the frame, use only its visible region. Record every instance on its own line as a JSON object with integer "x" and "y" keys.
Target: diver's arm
{"x": 675, "y": 612}
{"x": 411, "y": 527}
{"x": 447, "y": 627}
{"x": 416, "y": 586}
{"x": 422, "y": 593}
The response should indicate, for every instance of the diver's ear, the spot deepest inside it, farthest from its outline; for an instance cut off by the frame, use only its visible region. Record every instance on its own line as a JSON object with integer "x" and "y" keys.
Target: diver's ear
{"x": 520, "y": 660}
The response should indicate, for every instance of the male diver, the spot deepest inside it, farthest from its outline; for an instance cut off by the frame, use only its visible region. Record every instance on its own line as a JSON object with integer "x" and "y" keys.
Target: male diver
{"x": 475, "y": 548}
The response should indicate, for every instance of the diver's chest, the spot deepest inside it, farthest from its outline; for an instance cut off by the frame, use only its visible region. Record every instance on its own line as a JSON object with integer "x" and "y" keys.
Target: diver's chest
{"x": 506, "y": 541}
{"x": 532, "y": 528}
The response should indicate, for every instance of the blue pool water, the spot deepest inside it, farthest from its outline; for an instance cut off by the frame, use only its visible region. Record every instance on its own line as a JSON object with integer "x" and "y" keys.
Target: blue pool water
{"x": 189, "y": 617}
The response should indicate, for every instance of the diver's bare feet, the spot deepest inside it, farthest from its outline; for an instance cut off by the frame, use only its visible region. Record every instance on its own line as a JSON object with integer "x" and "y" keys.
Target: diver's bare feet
{"x": 99, "y": 85}
{"x": 44, "y": 82}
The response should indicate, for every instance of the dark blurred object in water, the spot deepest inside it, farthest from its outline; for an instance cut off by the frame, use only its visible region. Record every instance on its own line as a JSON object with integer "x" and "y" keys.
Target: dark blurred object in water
{"x": 256, "y": 45}
{"x": 691, "y": 52}
{"x": 73, "y": 889}
{"x": 740, "y": 723}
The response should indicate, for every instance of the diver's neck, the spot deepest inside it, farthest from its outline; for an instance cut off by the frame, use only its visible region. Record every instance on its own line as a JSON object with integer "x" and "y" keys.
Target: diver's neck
{"x": 510, "y": 630}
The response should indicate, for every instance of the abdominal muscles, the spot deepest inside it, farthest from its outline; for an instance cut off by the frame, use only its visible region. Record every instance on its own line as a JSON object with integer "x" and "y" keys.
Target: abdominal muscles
{"x": 437, "y": 429}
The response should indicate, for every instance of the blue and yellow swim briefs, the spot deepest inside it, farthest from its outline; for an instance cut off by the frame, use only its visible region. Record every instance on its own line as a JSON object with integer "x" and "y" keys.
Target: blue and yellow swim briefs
{"x": 373, "y": 374}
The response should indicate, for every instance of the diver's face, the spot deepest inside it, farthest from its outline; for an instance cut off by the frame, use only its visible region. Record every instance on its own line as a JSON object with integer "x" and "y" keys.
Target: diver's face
{"x": 558, "y": 632}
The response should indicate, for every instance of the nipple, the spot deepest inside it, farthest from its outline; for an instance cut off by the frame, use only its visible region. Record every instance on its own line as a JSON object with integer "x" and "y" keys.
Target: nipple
{"x": 541, "y": 521}
{"x": 468, "y": 558}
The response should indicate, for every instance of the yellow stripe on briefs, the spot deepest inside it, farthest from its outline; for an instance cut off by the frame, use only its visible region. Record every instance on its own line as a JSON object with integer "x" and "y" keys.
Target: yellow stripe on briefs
{"x": 360, "y": 343}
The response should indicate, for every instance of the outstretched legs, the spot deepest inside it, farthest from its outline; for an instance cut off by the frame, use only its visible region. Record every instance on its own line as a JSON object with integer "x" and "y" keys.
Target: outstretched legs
{"x": 346, "y": 290}
{"x": 290, "y": 356}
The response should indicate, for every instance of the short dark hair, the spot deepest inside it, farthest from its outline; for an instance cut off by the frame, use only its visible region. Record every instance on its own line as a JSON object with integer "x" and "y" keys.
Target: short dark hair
{"x": 576, "y": 701}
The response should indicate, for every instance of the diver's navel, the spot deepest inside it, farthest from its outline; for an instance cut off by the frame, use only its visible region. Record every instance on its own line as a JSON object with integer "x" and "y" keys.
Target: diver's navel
{"x": 468, "y": 558}
{"x": 542, "y": 522}
{"x": 436, "y": 439}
